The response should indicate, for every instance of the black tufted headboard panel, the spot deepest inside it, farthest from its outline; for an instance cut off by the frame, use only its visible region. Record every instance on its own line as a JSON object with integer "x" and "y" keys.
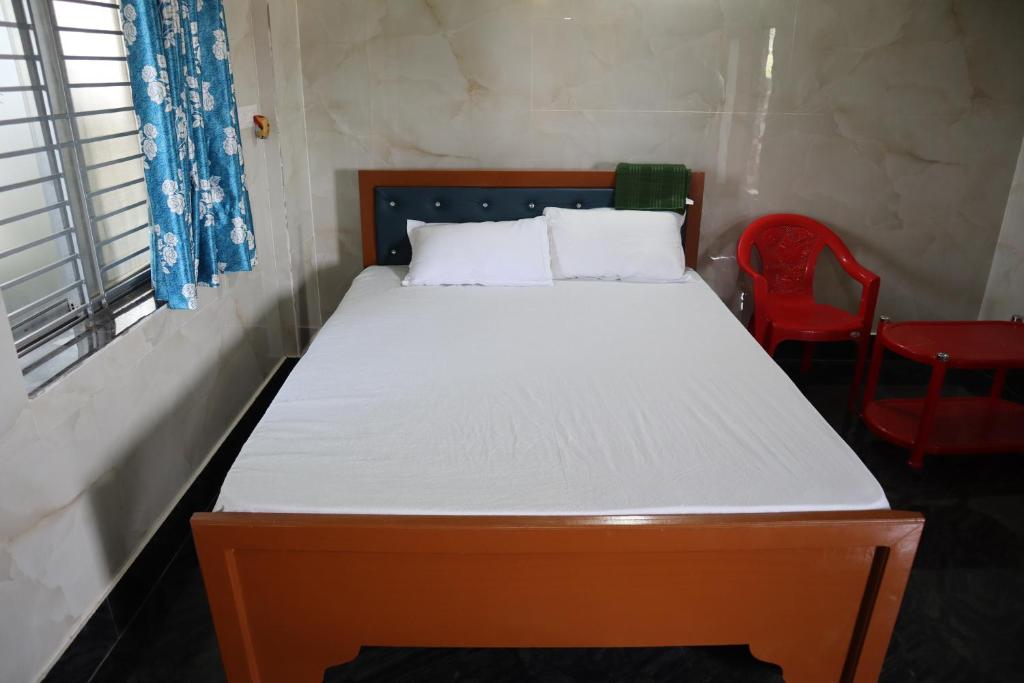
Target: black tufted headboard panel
{"x": 389, "y": 198}
{"x": 394, "y": 205}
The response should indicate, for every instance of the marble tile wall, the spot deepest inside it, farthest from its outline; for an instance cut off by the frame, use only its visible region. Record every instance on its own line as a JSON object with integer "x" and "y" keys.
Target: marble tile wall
{"x": 894, "y": 121}
{"x": 279, "y": 34}
{"x": 88, "y": 468}
{"x": 1004, "y": 295}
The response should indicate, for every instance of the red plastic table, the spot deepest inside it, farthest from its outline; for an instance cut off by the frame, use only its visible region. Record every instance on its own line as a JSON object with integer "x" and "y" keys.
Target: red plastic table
{"x": 935, "y": 424}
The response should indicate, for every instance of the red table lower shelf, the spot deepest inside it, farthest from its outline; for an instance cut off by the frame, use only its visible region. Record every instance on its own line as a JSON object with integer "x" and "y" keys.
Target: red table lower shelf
{"x": 942, "y": 424}
{"x": 962, "y": 425}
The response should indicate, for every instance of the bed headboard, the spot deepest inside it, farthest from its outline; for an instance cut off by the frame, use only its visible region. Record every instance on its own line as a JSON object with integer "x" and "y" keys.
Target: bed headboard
{"x": 388, "y": 198}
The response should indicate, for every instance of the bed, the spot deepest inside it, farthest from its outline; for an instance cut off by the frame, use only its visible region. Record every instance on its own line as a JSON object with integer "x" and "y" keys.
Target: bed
{"x": 594, "y": 464}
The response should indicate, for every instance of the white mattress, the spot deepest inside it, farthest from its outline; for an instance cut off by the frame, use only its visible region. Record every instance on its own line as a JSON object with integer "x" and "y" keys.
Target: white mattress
{"x": 585, "y": 398}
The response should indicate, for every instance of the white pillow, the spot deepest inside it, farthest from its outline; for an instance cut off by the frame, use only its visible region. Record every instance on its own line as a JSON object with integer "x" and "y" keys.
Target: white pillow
{"x": 500, "y": 253}
{"x": 611, "y": 244}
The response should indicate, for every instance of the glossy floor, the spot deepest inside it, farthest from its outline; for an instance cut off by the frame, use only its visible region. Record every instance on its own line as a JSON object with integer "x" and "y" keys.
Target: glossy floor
{"x": 962, "y": 619}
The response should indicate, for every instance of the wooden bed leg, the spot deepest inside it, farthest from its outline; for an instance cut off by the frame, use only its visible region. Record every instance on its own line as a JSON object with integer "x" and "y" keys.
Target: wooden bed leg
{"x": 800, "y": 663}
{"x": 310, "y": 667}
{"x": 860, "y": 661}
{"x": 883, "y": 597}
{"x": 293, "y": 657}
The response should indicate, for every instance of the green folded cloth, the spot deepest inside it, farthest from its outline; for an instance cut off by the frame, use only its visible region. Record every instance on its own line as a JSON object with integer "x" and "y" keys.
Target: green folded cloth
{"x": 657, "y": 187}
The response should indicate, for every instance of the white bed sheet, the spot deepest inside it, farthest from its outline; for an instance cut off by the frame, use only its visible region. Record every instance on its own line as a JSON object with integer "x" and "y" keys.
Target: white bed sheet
{"x": 585, "y": 398}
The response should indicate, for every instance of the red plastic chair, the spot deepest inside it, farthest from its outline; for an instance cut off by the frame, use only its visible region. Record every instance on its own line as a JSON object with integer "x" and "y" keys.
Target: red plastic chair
{"x": 784, "y": 307}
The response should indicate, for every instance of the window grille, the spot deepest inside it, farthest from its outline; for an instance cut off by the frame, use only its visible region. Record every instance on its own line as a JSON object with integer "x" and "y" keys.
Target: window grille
{"x": 74, "y": 219}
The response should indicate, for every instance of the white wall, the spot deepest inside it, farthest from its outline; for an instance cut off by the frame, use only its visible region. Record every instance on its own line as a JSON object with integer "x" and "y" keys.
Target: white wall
{"x": 894, "y": 121}
{"x": 1004, "y": 295}
{"x": 90, "y": 466}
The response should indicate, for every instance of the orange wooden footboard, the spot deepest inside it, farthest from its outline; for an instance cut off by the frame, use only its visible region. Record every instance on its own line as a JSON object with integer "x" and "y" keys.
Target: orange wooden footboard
{"x": 816, "y": 593}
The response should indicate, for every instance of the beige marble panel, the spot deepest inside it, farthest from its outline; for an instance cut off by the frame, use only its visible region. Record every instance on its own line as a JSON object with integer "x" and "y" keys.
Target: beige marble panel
{"x": 273, "y": 328}
{"x": 336, "y": 84}
{"x": 695, "y": 55}
{"x": 601, "y": 138}
{"x": 453, "y": 94}
{"x": 293, "y": 146}
{"x": 1004, "y": 295}
{"x": 894, "y": 121}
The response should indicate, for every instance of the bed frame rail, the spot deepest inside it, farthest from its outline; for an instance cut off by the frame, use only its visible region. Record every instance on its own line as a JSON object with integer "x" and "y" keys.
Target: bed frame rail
{"x": 815, "y": 593}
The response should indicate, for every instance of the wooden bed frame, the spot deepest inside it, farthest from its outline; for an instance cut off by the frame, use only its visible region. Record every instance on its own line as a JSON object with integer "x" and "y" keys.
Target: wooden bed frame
{"x": 816, "y": 593}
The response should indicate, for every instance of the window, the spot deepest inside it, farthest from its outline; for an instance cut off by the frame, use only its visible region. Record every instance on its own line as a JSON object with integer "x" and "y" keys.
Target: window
{"x": 74, "y": 238}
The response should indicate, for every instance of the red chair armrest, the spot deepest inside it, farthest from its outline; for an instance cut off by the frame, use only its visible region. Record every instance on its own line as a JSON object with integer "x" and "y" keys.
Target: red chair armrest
{"x": 869, "y": 283}
{"x": 869, "y": 298}
{"x": 857, "y": 271}
{"x": 850, "y": 264}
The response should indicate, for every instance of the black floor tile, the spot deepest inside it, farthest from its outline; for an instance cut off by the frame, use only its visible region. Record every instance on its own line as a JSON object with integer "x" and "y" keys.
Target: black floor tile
{"x": 691, "y": 665}
{"x": 171, "y": 639}
{"x": 87, "y": 651}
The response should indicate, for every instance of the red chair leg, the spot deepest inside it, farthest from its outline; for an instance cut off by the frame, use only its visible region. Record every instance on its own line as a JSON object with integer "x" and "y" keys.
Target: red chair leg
{"x": 858, "y": 371}
{"x": 805, "y": 360}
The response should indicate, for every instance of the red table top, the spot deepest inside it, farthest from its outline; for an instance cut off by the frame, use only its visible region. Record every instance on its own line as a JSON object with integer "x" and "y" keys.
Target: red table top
{"x": 977, "y": 343}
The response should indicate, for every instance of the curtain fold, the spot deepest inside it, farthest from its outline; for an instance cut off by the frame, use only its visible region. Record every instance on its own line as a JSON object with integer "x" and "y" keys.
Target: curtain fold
{"x": 184, "y": 99}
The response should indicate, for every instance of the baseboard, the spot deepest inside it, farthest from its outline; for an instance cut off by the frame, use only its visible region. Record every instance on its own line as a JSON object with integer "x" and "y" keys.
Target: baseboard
{"x": 130, "y": 586}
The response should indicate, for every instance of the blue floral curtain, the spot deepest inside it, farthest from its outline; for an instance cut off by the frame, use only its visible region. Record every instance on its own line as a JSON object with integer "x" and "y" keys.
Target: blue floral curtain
{"x": 184, "y": 98}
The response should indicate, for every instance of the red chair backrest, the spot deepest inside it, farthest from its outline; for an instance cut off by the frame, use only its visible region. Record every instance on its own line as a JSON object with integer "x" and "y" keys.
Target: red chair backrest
{"x": 789, "y": 245}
